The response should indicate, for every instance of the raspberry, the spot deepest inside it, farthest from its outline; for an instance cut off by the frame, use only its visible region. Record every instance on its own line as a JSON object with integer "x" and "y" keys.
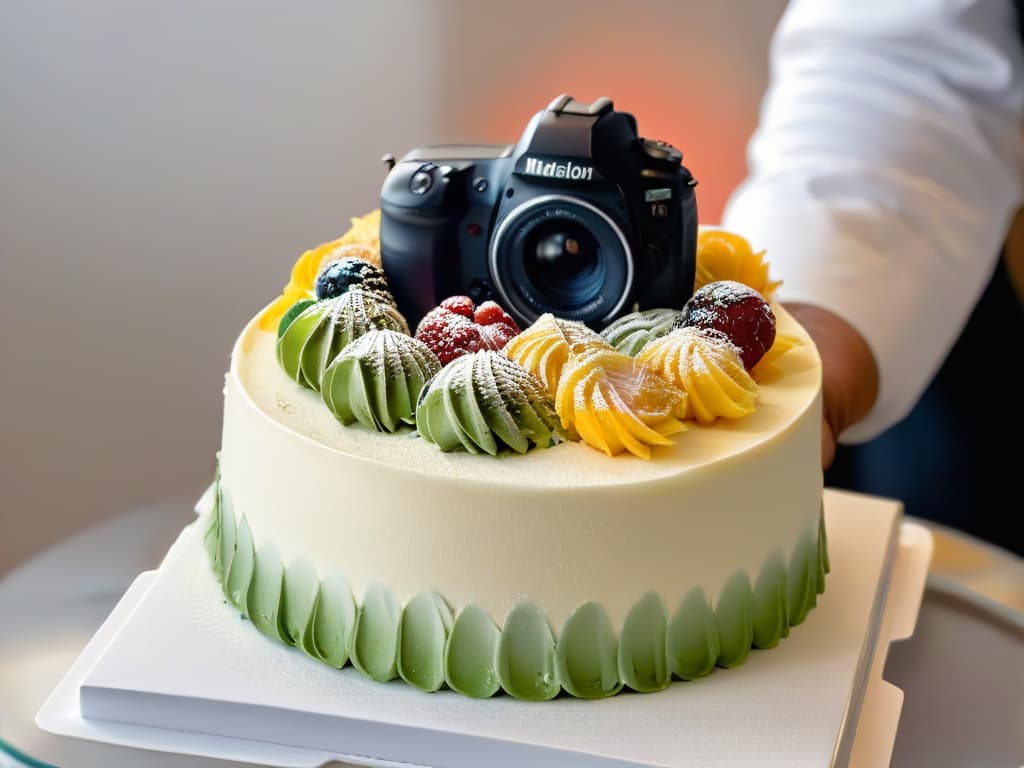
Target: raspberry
{"x": 738, "y": 311}
{"x": 491, "y": 313}
{"x": 449, "y": 335}
{"x": 460, "y": 305}
{"x": 498, "y": 335}
{"x": 453, "y": 329}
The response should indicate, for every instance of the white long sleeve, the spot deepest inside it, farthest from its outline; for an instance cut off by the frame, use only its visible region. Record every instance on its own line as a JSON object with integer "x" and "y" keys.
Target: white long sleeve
{"x": 885, "y": 170}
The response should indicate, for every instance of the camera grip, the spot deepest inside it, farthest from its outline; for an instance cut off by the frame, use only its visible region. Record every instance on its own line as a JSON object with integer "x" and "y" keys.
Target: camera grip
{"x": 416, "y": 251}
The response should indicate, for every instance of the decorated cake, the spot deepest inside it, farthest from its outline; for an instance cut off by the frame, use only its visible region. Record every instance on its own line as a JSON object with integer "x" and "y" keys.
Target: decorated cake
{"x": 478, "y": 505}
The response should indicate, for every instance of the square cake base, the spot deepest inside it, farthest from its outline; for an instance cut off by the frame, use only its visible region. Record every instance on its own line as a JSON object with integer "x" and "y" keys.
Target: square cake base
{"x": 175, "y": 668}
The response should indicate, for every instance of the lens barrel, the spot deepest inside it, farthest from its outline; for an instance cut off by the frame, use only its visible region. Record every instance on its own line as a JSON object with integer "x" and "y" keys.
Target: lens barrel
{"x": 561, "y": 255}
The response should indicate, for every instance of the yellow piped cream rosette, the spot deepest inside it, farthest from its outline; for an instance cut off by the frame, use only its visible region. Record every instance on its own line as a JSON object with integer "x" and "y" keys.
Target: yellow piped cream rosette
{"x": 707, "y": 366}
{"x": 614, "y": 404}
{"x": 543, "y": 348}
{"x": 723, "y": 255}
{"x": 361, "y": 240}
{"x": 766, "y": 367}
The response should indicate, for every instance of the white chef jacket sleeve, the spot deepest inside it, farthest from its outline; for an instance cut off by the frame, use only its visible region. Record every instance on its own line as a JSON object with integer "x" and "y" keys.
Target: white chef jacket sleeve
{"x": 884, "y": 173}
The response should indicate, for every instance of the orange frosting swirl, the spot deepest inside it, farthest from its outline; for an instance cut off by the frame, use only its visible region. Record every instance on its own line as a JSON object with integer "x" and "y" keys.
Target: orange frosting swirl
{"x": 766, "y": 367}
{"x": 724, "y": 255}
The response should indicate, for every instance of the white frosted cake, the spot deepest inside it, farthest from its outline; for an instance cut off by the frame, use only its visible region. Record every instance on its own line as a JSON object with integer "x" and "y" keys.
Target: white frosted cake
{"x": 583, "y": 557}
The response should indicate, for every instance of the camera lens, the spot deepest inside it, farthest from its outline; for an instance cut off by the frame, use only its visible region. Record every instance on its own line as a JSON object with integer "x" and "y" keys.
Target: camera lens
{"x": 563, "y": 261}
{"x": 561, "y": 255}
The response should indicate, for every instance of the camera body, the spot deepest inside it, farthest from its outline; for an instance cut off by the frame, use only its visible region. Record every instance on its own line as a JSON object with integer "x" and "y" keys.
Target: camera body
{"x": 582, "y": 218}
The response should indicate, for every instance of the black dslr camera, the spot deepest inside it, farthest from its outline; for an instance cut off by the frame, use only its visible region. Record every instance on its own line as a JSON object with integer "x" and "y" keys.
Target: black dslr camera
{"x": 582, "y": 218}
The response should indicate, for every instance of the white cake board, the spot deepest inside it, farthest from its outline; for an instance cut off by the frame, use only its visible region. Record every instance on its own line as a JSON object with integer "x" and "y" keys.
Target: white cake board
{"x": 176, "y": 669}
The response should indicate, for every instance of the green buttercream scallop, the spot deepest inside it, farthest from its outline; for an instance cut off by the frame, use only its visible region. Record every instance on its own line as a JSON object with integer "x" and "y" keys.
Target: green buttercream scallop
{"x": 321, "y": 331}
{"x": 470, "y": 654}
{"x": 374, "y": 648}
{"x": 334, "y": 616}
{"x": 526, "y": 655}
{"x": 377, "y": 379}
{"x": 243, "y": 562}
{"x": 771, "y": 616}
{"x": 586, "y": 657}
{"x": 423, "y": 633}
{"x": 734, "y": 617}
{"x": 692, "y": 645}
{"x": 482, "y": 403}
{"x": 211, "y": 539}
{"x": 228, "y": 530}
{"x": 265, "y": 589}
{"x": 428, "y": 649}
{"x": 803, "y": 577}
{"x": 823, "y": 564}
{"x": 298, "y": 598}
{"x": 643, "y": 661}
{"x": 630, "y": 333}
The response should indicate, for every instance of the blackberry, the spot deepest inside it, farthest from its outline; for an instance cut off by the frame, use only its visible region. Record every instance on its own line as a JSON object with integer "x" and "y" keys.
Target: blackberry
{"x": 337, "y": 277}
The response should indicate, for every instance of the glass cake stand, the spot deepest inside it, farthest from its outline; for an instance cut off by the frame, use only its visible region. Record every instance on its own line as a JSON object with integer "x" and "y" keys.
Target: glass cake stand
{"x": 39, "y": 644}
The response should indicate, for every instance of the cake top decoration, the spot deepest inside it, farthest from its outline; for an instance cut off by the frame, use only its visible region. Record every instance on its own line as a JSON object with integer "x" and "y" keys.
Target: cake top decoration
{"x": 625, "y": 389}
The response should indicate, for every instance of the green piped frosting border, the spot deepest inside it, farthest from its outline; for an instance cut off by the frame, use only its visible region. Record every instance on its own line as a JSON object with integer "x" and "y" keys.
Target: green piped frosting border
{"x": 430, "y": 647}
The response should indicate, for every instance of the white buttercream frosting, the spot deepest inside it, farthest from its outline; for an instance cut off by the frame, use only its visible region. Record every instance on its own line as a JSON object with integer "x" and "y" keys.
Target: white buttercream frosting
{"x": 557, "y": 526}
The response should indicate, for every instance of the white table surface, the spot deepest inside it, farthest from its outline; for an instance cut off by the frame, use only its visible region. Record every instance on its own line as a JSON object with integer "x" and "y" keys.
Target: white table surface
{"x": 963, "y": 671}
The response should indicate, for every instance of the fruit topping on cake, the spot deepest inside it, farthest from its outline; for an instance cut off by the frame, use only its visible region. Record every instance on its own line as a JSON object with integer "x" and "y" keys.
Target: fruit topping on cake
{"x": 321, "y": 331}
{"x": 457, "y": 327}
{"x": 377, "y": 379}
{"x": 724, "y": 255}
{"x": 614, "y": 403}
{"x": 625, "y": 389}
{"x": 348, "y": 270}
{"x": 364, "y": 231}
{"x": 482, "y": 402}
{"x": 543, "y": 348}
{"x": 630, "y": 332}
{"x": 738, "y": 311}
{"x": 707, "y": 366}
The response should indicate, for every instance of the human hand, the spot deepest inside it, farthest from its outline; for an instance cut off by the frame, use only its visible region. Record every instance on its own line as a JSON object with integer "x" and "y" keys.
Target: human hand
{"x": 849, "y": 373}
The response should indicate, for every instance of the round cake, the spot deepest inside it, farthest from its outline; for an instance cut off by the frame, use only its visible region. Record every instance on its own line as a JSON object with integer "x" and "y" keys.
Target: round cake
{"x": 346, "y": 525}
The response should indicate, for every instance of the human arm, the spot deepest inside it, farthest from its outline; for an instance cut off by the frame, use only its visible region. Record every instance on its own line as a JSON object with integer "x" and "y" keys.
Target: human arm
{"x": 883, "y": 175}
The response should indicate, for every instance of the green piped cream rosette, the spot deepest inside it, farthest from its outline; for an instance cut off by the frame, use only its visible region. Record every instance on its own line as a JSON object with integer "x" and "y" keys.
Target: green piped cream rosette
{"x": 483, "y": 402}
{"x": 377, "y": 379}
{"x": 631, "y": 332}
{"x": 311, "y": 341}
{"x": 431, "y": 645}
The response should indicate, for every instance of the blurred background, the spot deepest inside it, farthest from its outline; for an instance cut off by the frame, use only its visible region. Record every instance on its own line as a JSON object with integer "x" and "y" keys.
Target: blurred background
{"x": 162, "y": 165}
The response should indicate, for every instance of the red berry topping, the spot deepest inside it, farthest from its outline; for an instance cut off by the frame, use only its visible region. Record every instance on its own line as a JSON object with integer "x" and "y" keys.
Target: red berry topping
{"x": 490, "y": 312}
{"x": 738, "y": 311}
{"x": 460, "y": 305}
{"x": 449, "y": 335}
{"x": 453, "y": 329}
